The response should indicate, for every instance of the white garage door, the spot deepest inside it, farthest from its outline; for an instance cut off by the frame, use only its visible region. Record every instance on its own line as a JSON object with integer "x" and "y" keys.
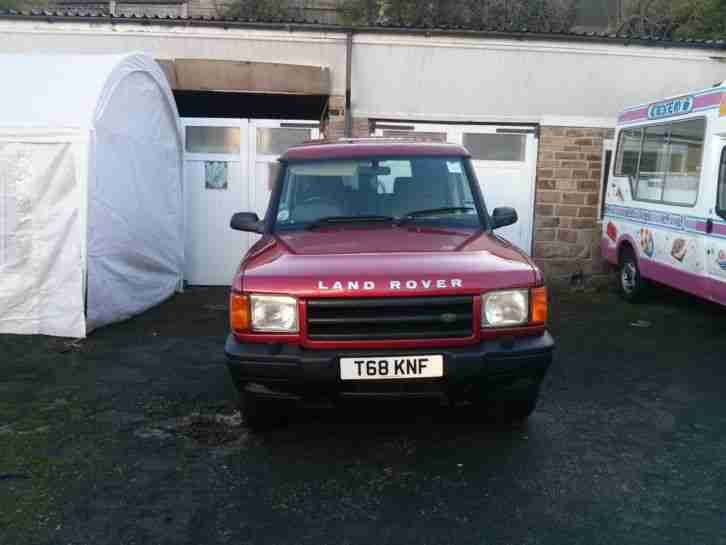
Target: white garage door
{"x": 504, "y": 158}
{"x": 227, "y": 169}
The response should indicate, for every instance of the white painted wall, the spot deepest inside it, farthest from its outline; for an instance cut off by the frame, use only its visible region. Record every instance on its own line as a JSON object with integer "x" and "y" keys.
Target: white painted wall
{"x": 553, "y": 83}
{"x": 165, "y": 42}
{"x": 417, "y": 77}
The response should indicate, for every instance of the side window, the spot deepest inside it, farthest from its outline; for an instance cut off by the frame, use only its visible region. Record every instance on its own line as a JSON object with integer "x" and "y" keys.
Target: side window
{"x": 628, "y": 155}
{"x": 684, "y": 166}
{"x": 721, "y": 196}
{"x": 629, "y": 141}
{"x": 663, "y": 162}
{"x": 653, "y": 164}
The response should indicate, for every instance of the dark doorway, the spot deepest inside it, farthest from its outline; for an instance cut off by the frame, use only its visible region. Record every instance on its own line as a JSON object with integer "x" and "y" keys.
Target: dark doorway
{"x": 249, "y": 105}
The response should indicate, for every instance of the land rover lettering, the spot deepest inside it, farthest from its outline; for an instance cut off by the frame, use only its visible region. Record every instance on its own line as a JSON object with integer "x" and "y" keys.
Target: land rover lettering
{"x": 423, "y": 284}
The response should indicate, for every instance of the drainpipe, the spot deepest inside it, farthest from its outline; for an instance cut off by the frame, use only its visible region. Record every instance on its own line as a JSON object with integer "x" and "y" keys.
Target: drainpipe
{"x": 348, "y": 78}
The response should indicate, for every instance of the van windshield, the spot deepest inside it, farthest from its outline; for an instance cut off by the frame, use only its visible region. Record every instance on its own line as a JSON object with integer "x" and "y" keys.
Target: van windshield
{"x": 415, "y": 189}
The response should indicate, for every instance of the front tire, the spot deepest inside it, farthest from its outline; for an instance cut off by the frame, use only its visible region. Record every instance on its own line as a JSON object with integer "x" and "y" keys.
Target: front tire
{"x": 633, "y": 287}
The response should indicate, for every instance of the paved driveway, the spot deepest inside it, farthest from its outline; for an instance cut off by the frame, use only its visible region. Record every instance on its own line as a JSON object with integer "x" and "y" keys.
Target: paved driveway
{"x": 131, "y": 437}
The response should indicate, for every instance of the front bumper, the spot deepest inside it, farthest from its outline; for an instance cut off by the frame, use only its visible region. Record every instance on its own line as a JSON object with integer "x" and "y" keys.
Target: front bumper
{"x": 491, "y": 368}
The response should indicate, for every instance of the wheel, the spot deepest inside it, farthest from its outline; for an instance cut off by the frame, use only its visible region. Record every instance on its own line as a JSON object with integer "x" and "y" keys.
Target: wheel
{"x": 261, "y": 414}
{"x": 633, "y": 286}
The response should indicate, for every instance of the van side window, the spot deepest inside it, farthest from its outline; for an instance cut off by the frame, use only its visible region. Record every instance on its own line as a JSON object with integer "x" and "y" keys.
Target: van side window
{"x": 684, "y": 165}
{"x": 653, "y": 164}
{"x": 721, "y": 197}
{"x": 626, "y": 160}
{"x": 663, "y": 162}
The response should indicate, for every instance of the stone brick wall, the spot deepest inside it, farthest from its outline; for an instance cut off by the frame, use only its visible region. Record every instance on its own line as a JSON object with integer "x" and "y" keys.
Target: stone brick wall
{"x": 335, "y": 128}
{"x": 335, "y": 125}
{"x": 567, "y": 204}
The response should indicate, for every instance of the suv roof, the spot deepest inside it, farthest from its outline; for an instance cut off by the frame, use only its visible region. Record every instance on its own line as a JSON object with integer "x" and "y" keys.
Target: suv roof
{"x": 346, "y": 148}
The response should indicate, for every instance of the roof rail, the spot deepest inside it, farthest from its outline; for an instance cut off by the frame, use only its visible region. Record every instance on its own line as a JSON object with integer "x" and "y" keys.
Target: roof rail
{"x": 412, "y": 139}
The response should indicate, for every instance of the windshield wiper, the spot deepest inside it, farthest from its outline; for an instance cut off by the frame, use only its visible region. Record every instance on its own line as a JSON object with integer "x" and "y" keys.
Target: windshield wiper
{"x": 348, "y": 219}
{"x": 435, "y": 212}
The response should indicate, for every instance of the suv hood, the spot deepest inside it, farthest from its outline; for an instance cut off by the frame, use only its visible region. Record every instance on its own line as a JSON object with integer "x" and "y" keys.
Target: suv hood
{"x": 385, "y": 260}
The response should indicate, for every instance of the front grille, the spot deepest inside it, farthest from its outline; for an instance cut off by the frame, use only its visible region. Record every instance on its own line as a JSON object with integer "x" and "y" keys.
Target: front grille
{"x": 375, "y": 318}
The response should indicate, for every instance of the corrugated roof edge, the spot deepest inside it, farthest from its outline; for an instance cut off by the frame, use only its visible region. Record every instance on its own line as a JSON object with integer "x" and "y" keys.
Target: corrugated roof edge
{"x": 301, "y": 25}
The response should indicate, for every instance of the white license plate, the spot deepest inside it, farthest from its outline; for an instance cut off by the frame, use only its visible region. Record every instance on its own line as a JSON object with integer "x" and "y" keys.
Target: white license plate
{"x": 390, "y": 367}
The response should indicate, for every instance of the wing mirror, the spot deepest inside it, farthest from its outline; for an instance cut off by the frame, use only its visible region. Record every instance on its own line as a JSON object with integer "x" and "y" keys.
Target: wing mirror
{"x": 246, "y": 221}
{"x": 503, "y": 216}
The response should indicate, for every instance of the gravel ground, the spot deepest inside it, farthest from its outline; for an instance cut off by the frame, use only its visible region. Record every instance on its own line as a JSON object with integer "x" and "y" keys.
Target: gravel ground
{"x": 132, "y": 437}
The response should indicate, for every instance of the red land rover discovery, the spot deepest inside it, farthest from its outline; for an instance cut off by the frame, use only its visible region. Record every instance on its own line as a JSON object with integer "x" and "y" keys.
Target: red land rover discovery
{"x": 379, "y": 275}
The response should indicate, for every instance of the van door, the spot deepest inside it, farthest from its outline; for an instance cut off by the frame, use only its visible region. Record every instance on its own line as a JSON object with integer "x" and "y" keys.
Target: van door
{"x": 716, "y": 239}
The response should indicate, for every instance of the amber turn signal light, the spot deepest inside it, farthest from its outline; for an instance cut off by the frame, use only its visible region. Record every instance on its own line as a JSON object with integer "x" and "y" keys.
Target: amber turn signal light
{"x": 239, "y": 312}
{"x": 539, "y": 305}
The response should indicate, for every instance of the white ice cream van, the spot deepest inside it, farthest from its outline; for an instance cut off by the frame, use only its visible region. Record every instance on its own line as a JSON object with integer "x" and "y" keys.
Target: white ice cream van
{"x": 665, "y": 207}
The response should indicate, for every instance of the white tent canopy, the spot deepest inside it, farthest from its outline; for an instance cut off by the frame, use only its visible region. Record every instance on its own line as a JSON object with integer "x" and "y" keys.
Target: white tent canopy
{"x": 91, "y": 204}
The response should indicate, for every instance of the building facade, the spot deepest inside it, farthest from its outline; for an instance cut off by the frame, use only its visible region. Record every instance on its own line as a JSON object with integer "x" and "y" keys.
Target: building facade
{"x": 537, "y": 111}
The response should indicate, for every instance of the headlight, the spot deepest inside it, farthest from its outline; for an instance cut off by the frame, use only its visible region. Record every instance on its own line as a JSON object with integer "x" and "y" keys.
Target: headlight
{"x": 503, "y": 308}
{"x": 274, "y": 313}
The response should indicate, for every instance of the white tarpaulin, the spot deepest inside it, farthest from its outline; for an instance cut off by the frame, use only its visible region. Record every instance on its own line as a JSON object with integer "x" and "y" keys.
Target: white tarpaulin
{"x": 91, "y": 205}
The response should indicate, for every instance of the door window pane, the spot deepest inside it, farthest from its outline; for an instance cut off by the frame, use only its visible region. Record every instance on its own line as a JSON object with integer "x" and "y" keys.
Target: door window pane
{"x": 416, "y": 135}
{"x": 653, "y": 163}
{"x": 212, "y": 140}
{"x": 721, "y": 198}
{"x": 495, "y": 147}
{"x": 626, "y": 163}
{"x": 275, "y": 141}
{"x": 684, "y": 173}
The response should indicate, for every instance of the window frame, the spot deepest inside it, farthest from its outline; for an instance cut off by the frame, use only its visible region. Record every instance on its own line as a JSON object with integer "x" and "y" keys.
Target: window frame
{"x": 262, "y": 129}
{"x": 522, "y": 138}
{"x": 636, "y": 179}
{"x": 667, "y": 161}
{"x": 230, "y": 156}
{"x": 721, "y": 212}
{"x": 618, "y": 148}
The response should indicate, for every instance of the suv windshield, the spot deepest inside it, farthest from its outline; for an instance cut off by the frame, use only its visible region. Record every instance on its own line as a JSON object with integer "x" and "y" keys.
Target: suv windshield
{"x": 398, "y": 189}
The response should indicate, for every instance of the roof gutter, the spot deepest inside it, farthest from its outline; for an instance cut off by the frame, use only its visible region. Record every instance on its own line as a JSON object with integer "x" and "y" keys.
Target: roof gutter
{"x": 50, "y": 17}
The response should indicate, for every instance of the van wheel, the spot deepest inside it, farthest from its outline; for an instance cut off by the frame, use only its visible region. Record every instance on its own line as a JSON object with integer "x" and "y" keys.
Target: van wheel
{"x": 261, "y": 414}
{"x": 633, "y": 286}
